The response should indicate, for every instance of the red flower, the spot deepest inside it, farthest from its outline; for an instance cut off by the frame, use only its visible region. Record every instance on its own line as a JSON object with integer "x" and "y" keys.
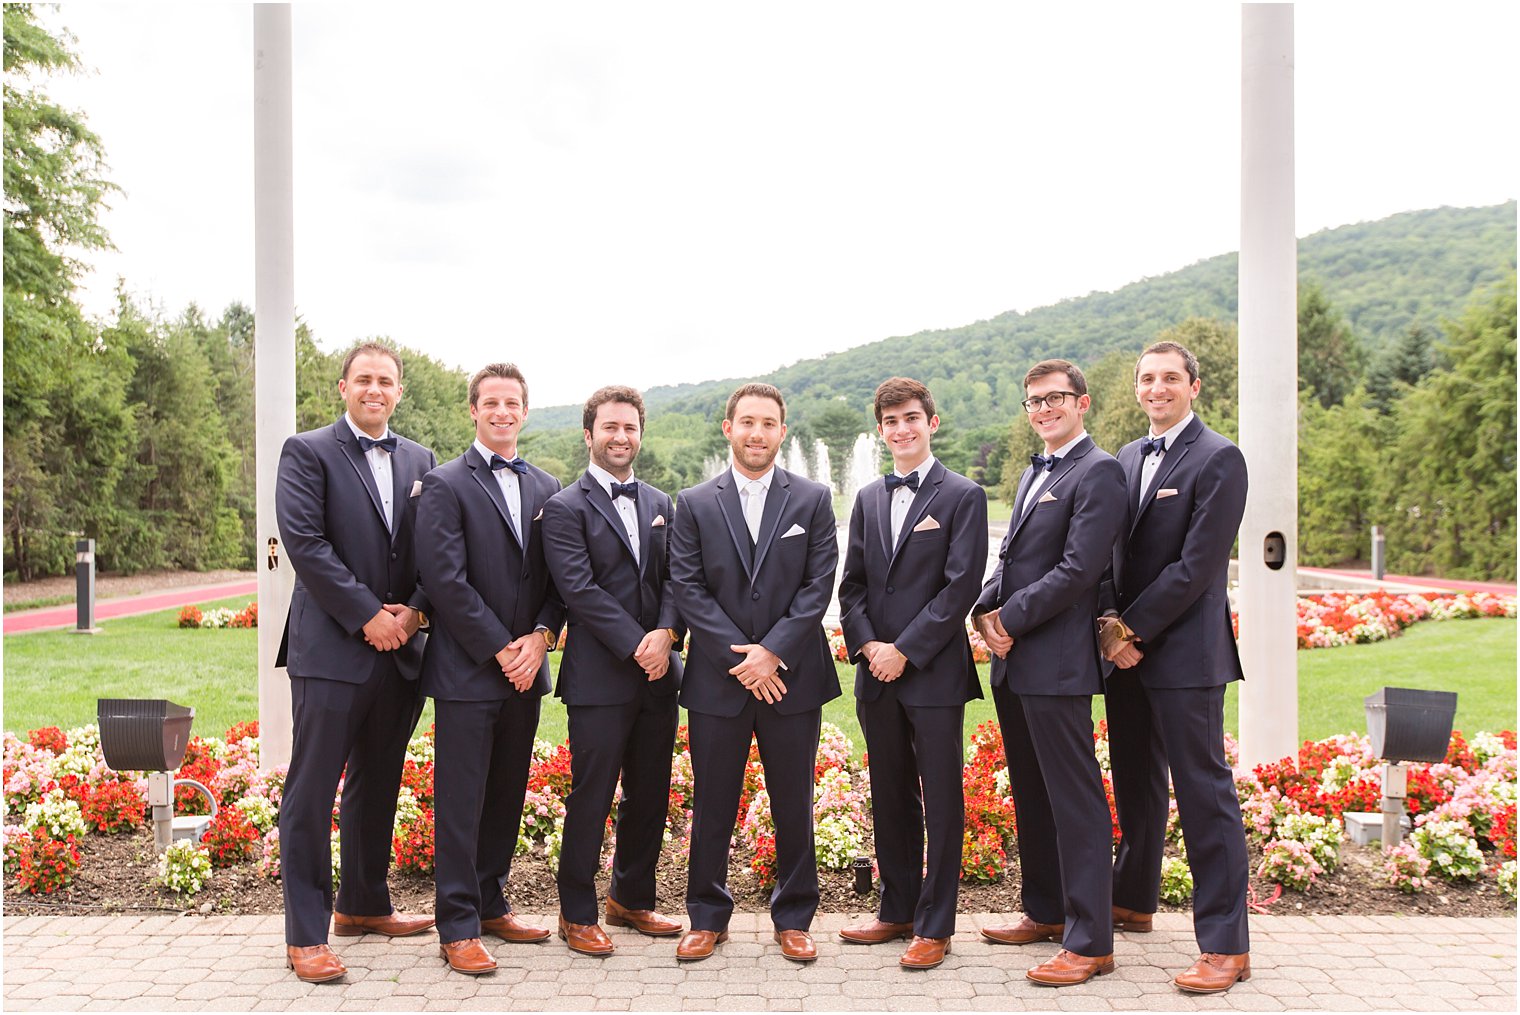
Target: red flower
{"x": 49, "y": 738}
{"x": 230, "y": 838}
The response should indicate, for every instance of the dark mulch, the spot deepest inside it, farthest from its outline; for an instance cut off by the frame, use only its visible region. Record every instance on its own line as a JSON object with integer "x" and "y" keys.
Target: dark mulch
{"x": 117, "y": 871}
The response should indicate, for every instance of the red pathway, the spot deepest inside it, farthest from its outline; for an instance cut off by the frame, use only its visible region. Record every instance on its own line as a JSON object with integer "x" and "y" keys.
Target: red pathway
{"x": 1496, "y": 588}
{"x": 54, "y": 617}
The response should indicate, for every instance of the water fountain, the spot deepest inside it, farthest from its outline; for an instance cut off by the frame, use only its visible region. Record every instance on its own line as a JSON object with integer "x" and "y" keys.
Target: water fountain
{"x": 822, "y": 471}
{"x": 796, "y": 461}
{"x": 864, "y": 465}
{"x": 713, "y": 464}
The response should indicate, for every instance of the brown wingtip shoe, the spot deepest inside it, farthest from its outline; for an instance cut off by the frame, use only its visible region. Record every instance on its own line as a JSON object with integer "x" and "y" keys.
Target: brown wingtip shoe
{"x": 797, "y": 945}
{"x": 1132, "y": 920}
{"x": 467, "y": 956}
{"x": 1025, "y": 932}
{"x": 510, "y": 928}
{"x": 925, "y": 953}
{"x": 586, "y": 938}
{"x": 875, "y": 932}
{"x": 645, "y": 921}
{"x": 696, "y": 945}
{"x": 1067, "y": 969}
{"x": 314, "y": 963}
{"x": 391, "y": 925}
{"x": 1214, "y": 973}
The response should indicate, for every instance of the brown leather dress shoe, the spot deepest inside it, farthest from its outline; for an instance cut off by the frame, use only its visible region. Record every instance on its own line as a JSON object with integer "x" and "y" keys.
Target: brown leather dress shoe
{"x": 645, "y": 921}
{"x": 1214, "y": 973}
{"x": 510, "y": 928}
{"x": 875, "y": 932}
{"x": 1069, "y": 968}
{"x": 1025, "y": 932}
{"x": 699, "y": 944}
{"x": 314, "y": 963}
{"x": 393, "y": 925}
{"x": 797, "y": 945}
{"x": 467, "y": 956}
{"x": 925, "y": 953}
{"x": 586, "y": 938}
{"x": 1132, "y": 920}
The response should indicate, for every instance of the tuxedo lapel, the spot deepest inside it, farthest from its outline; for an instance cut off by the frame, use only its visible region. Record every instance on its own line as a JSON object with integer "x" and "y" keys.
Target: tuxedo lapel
{"x": 532, "y": 499}
{"x": 881, "y": 505}
{"x": 770, "y": 517}
{"x": 400, "y": 488}
{"x": 927, "y": 490}
{"x": 1169, "y": 462}
{"x": 644, "y": 511}
{"x": 1132, "y": 470}
{"x": 355, "y": 455}
{"x": 733, "y": 514}
{"x": 487, "y": 480}
{"x": 600, "y": 500}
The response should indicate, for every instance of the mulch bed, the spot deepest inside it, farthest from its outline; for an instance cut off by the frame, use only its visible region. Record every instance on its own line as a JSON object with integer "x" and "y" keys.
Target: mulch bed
{"x": 116, "y": 875}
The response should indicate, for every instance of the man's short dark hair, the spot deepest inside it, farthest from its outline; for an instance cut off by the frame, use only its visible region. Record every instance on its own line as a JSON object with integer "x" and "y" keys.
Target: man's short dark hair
{"x": 756, "y": 389}
{"x": 611, "y": 393}
{"x": 371, "y": 348}
{"x": 507, "y": 370}
{"x": 900, "y": 391}
{"x": 1188, "y": 359}
{"x": 1046, "y": 367}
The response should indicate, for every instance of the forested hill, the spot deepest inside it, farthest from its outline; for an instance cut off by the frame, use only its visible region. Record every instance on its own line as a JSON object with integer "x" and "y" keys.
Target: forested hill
{"x": 1412, "y": 269}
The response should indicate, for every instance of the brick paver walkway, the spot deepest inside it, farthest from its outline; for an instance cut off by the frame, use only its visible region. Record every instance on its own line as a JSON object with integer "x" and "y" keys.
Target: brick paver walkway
{"x": 172, "y": 963}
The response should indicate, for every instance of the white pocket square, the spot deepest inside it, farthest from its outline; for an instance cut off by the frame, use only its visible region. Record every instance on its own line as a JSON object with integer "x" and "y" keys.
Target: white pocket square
{"x": 928, "y": 524}
{"x": 539, "y": 515}
{"x": 1165, "y": 493}
{"x": 416, "y": 488}
{"x": 1046, "y": 498}
{"x": 795, "y": 530}
{"x": 658, "y": 520}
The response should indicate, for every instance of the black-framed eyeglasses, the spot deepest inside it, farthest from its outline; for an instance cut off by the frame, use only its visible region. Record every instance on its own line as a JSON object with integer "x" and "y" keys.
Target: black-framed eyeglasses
{"x": 1054, "y": 400}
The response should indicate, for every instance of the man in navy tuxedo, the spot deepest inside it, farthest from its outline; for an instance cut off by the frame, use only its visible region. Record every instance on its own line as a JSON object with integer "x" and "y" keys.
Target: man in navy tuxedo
{"x": 1036, "y": 614}
{"x": 1168, "y": 634}
{"x": 604, "y": 540}
{"x": 480, "y": 551}
{"x": 344, "y": 500}
{"x": 752, "y": 560}
{"x": 917, "y": 550}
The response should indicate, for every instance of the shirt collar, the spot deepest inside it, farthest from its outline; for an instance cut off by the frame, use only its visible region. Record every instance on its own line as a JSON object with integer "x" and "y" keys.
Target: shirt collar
{"x": 1176, "y": 431}
{"x": 743, "y": 481}
{"x": 604, "y": 477}
{"x": 1061, "y": 451}
{"x": 360, "y": 433}
{"x": 922, "y": 469}
{"x": 486, "y": 453}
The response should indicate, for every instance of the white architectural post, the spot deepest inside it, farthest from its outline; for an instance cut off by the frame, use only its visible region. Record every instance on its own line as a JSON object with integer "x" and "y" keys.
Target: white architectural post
{"x": 1268, "y": 387}
{"x": 274, "y": 352}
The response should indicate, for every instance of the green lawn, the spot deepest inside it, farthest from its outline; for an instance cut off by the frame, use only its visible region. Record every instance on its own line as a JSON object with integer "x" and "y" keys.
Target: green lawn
{"x": 53, "y": 678}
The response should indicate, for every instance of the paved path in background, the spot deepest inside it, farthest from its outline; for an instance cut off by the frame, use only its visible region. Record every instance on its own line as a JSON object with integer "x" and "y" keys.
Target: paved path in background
{"x": 1445, "y": 584}
{"x": 1345, "y": 963}
{"x": 53, "y": 617}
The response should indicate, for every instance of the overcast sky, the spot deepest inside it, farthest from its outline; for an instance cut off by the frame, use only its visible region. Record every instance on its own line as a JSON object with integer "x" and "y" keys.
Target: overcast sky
{"x": 654, "y": 193}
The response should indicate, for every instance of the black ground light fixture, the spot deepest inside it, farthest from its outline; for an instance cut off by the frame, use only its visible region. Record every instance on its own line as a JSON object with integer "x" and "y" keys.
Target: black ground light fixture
{"x": 1406, "y": 724}
{"x": 150, "y": 735}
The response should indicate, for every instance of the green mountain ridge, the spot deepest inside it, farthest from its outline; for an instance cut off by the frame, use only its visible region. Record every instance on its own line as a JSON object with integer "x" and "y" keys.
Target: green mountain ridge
{"x": 1412, "y": 269}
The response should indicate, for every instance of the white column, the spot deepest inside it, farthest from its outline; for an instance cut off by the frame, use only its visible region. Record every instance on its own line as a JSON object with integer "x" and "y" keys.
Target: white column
{"x": 274, "y": 352}
{"x": 1268, "y": 385}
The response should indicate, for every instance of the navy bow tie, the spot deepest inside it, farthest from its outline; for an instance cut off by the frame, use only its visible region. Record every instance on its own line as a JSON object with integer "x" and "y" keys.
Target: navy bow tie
{"x": 1150, "y": 444}
{"x": 384, "y": 443}
{"x": 629, "y": 489}
{"x": 894, "y": 481}
{"x": 517, "y": 465}
{"x": 1039, "y": 462}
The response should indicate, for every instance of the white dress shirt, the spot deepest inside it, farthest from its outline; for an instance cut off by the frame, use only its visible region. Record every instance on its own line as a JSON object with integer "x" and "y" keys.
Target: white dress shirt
{"x": 627, "y": 510}
{"x": 1151, "y": 463}
{"x": 1043, "y": 476}
{"x": 902, "y": 497}
{"x": 510, "y": 489}
{"x": 380, "y": 467}
{"x": 752, "y": 493}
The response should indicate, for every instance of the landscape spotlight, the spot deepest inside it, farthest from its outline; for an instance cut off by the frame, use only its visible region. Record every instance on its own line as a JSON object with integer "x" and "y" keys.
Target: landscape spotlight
{"x": 1405, "y": 724}
{"x": 150, "y": 735}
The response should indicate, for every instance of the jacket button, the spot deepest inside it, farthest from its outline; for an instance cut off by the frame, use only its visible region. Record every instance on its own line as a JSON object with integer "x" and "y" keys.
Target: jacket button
{"x": 890, "y": 590}
{"x": 394, "y": 556}
{"x": 754, "y": 595}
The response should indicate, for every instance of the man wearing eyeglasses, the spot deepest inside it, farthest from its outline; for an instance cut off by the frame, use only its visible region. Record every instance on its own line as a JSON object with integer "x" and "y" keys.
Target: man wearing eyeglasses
{"x": 1169, "y": 637}
{"x": 1036, "y": 614}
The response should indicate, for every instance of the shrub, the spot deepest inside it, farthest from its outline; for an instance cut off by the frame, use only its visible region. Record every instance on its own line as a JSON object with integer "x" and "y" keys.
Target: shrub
{"x": 48, "y": 738}
{"x": 1506, "y": 879}
{"x": 982, "y": 856}
{"x": 184, "y": 868}
{"x": 1451, "y": 849}
{"x": 45, "y": 864}
{"x": 412, "y": 845}
{"x": 1290, "y": 863}
{"x": 56, "y": 813}
{"x": 1406, "y": 869}
{"x": 190, "y": 616}
{"x": 1322, "y": 835}
{"x": 113, "y": 806}
{"x": 1176, "y": 880}
{"x": 230, "y": 838}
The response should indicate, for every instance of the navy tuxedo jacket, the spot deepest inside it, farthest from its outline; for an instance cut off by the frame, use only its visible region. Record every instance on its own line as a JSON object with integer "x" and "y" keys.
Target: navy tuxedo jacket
{"x": 773, "y": 594}
{"x": 1053, "y": 560}
{"x": 916, "y": 593}
{"x": 487, "y": 588}
{"x": 1171, "y": 567}
{"x": 612, "y": 600}
{"x": 347, "y": 563}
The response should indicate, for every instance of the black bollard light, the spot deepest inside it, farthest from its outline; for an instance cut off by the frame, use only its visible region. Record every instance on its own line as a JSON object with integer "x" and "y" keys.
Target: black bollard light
{"x": 862, "y": 869}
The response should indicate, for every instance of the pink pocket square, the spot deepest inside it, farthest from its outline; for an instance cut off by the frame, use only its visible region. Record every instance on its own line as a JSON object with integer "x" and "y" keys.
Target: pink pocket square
{"x": 658, "y": 520}
{"x": 1165, "y": 493}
